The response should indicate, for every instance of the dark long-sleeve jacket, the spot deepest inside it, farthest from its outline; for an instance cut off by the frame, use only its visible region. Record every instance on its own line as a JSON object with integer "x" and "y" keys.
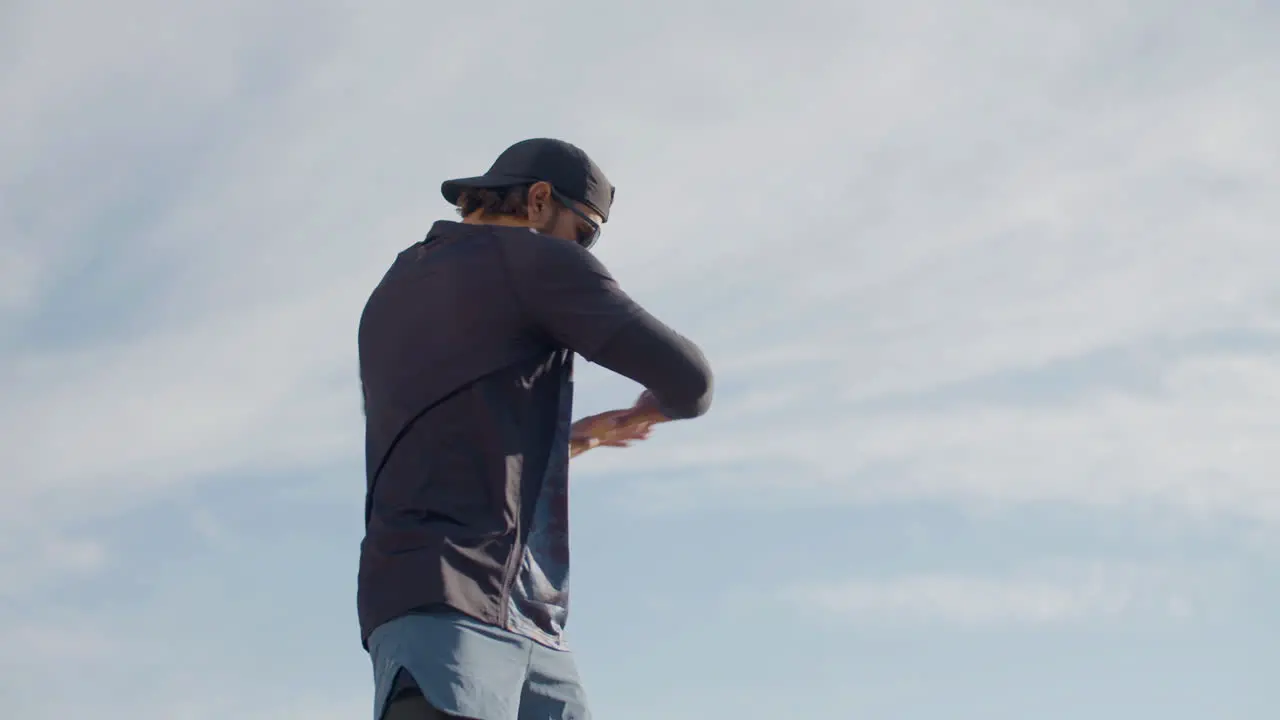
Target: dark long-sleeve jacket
{"x": 466, "y": 361}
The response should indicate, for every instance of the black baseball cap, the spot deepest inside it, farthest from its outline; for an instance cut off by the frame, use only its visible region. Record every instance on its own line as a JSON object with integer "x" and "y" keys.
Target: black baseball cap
{"x": 564, "y": 165}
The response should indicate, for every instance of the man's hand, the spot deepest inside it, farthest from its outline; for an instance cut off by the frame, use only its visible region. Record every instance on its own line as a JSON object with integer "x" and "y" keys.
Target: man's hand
{"x": 646, "y": 410}
{"x": 615, "y": 428}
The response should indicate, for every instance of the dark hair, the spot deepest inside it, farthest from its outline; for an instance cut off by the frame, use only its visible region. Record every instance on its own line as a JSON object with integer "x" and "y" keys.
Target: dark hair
{"x": 506, "y": 201}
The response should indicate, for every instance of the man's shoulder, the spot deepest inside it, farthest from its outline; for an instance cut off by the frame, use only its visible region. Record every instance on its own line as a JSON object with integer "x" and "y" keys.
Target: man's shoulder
{"x": 549, "y": 260}
{"x": 519, "y": 246}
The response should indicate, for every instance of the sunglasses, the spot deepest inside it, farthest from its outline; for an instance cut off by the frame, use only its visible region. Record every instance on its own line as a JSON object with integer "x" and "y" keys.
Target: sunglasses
{"x": 587, "y": 236}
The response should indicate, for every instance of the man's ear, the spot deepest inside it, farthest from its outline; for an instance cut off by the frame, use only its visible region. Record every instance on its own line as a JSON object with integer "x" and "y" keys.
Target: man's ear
{"x": 539, "y": 201}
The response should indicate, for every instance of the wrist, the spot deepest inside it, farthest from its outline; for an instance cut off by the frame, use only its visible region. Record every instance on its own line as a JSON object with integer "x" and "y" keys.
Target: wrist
{"x": 648, "y": 409}
{"x": 579, "y": 445}
{"x": 651, "y": 415}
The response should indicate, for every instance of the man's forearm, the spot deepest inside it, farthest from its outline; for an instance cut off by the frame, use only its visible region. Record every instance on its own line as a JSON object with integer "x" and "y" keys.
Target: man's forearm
{"x": 664, "y": 362}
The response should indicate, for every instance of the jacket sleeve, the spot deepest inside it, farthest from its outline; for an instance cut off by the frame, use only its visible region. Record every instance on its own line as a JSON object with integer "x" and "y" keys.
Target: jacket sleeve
{"x": 569, "y": 294}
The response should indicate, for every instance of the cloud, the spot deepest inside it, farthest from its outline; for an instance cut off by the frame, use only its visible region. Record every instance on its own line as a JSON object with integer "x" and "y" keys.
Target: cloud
{"x": 1043, "y": 597}
{"x": 997, "y": 254}
{"x": 30, "y": 561}
{"x": 55, "y": 644}
{"x": 902, "y": 209}
{"x": 1191, "y": 436}
{"x": 199, "y": 706}
{"x": 19, "y": 283}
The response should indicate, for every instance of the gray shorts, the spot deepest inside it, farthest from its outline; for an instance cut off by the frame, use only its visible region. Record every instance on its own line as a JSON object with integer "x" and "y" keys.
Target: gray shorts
{"x": 468, "y": 668}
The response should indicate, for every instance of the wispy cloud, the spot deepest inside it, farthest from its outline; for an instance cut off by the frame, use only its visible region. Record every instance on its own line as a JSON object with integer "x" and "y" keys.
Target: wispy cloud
{"x": 994, "y": 254}
{"x": 1037, "y": 598}
{"x": 1198, "y": 441}
{"x": 876, "y": 218}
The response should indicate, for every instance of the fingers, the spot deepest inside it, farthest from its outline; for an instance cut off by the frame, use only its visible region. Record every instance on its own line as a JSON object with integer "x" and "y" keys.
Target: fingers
{"x": 616, "y": 428}
{"x": 622, "y": 440}
{"x": 637, "y": 430}
{"x": 624, "y": 435}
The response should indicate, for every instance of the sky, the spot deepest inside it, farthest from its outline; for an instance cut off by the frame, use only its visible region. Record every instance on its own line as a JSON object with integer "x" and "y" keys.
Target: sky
{"x": 987, "y": 287}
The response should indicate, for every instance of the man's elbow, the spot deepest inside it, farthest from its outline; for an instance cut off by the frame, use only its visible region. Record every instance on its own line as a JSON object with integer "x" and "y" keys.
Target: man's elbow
{"x": 702, "y": 402}
{"x": 693, "y": 399}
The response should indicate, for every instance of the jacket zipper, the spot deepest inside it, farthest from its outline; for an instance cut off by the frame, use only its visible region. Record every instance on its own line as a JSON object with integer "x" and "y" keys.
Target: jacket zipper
{"x": 513, "y": 566}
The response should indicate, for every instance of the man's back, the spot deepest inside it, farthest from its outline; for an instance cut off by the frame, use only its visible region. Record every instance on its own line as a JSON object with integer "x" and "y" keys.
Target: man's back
{"x": 466, "y": 360}
{"x": 467, "y": 371}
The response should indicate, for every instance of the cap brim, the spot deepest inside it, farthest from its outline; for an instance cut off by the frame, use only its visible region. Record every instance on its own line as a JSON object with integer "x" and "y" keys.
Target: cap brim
{"x": 452, "y": 189}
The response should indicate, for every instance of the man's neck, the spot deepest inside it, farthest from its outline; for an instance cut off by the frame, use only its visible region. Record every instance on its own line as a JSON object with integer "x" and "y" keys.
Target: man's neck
{"x": 503, "y": 220}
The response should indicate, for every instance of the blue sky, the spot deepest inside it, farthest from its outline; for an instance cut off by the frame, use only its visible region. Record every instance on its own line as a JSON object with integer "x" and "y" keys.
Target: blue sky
{"x": 990, "y": 288}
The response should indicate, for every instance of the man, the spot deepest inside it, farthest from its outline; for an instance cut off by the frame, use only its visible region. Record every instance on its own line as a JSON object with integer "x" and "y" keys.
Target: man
{"x": 466, "y": 360}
